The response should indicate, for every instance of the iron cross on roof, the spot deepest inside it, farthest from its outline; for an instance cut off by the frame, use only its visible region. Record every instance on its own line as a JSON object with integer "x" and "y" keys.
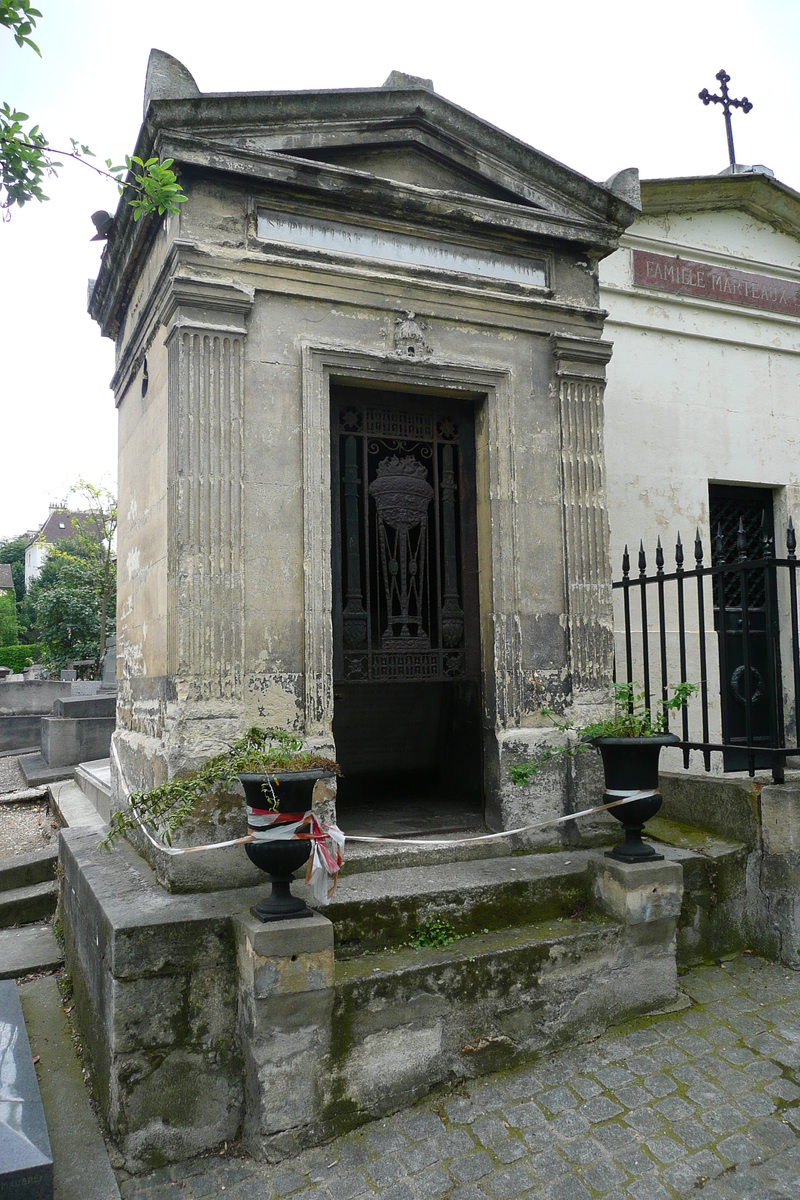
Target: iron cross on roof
{"x": 727, "y": 104}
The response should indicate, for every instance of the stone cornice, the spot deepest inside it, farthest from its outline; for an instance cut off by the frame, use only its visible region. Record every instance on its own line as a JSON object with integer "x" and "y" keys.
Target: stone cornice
{"x": 647, "y": 239}
{"x": 180, "y": 299}
{"x": 760, "y": 195}
{"x": 292, "y": 121}
{"x": 359, "y": 192}
{"x": 141, "y": 337}
{"x": 206, "y": 302}
{"x": 580, "y": 358}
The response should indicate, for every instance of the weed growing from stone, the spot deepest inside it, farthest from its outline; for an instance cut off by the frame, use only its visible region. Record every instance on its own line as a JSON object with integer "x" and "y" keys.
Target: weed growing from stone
{"x": 436, "y": 931}
{"x": 265, "y": 752}
{"x": 631, "y": 718}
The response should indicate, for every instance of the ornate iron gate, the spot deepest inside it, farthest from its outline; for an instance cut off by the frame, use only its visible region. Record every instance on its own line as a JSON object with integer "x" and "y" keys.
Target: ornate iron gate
{"x": 404, "y": 546}
{"x": 742, "y": 528}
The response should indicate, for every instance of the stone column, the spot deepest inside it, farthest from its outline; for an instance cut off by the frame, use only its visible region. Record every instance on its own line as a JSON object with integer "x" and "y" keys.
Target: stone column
{"x": 580, "y": 371}
{"x": 205, "y": 342}
{"x": 286, "y": 978}
{"x": 646, "y": 898}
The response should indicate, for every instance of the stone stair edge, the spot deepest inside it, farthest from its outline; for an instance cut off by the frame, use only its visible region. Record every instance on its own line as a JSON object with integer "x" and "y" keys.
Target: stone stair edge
{"x": 473, "y": 874}
{"x": 37, "y": 898}
{"x": 403, "y": 960}
{"x": 693, "y": 839}
{"x": 35, "y": 770}
{"x": 25, "y": 949}
{"x": 21, "y": 866}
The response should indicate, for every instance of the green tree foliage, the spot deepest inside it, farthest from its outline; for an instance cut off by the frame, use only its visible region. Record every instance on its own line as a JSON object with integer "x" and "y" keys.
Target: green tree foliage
{"x": 72, "y": 606}
{"x": 27, "y": 159}
{"x": 67, "y": 609}
{"x": 12, "y": 550}
{"x": 8, "y": 619}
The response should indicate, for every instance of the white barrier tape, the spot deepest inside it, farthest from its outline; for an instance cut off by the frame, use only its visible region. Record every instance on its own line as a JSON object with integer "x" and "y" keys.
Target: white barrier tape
{"x": 625, "y": 798}
{"x": 633, "y": 795}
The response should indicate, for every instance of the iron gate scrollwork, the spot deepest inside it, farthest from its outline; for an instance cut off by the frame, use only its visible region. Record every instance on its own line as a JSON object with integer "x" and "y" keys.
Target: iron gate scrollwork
{"x": 404, "y": 555}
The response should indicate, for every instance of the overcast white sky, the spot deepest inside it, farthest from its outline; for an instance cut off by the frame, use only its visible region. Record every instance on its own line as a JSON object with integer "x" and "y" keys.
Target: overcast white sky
{"x": 598, "y": 86}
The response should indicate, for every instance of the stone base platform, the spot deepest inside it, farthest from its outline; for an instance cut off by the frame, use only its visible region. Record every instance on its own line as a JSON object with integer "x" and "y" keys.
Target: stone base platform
{"x": 203, "y": 1023}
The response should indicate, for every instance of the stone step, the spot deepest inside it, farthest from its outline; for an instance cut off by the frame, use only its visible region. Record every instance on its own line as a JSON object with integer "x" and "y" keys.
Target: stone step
{"x": 25, "y": 870}
{"x": 94, "y": 780}
{"x": 380, "y": 909}
{"x": 74, "y": 808}
{"x": 712, "y": 919}
{"x": 36, "y": 771}
{"x": 430, "y": 850}
{"x": 28, "y": 949}
{"x": 20, "y": 906}
{"x": 400, "y": 1024}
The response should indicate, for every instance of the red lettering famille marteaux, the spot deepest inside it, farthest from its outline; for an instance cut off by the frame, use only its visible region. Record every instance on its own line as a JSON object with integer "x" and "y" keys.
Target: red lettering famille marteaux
{"x": 668, "y": 273}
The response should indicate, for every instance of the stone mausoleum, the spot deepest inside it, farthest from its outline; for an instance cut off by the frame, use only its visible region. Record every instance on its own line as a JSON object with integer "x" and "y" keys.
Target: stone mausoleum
{"x": 360, "y": 388}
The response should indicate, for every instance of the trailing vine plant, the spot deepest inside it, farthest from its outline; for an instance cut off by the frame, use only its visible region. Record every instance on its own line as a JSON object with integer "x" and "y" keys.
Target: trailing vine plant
{"x": 631, "y": 718}
{"x": 261, "y": 751}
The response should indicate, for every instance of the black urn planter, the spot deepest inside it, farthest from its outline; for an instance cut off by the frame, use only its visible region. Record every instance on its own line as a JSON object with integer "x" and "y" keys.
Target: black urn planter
{"x": 630, "y": 764}
{"x": 280, "y": 859}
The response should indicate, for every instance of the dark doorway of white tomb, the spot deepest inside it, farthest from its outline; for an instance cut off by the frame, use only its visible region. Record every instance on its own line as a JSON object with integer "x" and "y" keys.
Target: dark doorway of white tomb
{"x": 742, "y": 522}
{"x": 407, "y": 696}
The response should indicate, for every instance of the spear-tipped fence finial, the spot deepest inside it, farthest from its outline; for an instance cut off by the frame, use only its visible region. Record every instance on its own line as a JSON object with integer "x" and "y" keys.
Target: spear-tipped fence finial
{"x": 766, "y": 536}
{"x": 741, "y": 541}
{"x": 679, "y": 553}
{"x": 720, "y": 545}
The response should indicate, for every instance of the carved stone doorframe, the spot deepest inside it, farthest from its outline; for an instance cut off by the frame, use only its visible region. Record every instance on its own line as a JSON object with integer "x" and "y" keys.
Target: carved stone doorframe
{"x": 492, "y": 393}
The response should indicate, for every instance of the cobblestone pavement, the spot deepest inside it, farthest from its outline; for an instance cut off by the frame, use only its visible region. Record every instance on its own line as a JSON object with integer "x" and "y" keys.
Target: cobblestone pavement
{"x": 700, "y": 1102}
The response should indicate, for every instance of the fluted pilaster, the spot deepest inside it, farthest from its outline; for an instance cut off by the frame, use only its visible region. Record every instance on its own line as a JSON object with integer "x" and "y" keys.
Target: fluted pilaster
{"x": 580, "y": 374}
{"x": 206, "y": 482}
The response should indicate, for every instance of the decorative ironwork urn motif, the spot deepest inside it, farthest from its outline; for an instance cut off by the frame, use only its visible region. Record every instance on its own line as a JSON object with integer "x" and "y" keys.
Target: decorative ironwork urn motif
{"x": 402, "y": 496}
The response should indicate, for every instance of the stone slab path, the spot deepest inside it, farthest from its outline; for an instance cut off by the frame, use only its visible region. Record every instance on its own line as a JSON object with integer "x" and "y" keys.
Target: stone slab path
{"x": 704, "y": 1102}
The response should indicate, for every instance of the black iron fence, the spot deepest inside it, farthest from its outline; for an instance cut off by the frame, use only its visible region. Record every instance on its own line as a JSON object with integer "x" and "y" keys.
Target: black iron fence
{"x": 731, "y": 628}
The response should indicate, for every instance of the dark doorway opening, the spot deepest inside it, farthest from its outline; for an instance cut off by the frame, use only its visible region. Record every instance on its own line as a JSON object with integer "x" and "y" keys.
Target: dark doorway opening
{"x": 742, "y": 523}
{"x": 407, "y": 702}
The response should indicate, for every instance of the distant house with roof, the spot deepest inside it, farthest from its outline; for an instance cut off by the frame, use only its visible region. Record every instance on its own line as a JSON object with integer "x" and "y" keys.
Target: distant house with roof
{"x": 60, "y": 525}
{"x": 6, "y": 579}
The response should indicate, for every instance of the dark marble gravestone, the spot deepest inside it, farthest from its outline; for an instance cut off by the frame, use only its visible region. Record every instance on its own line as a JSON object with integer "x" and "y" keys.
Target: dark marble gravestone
{"x": 26, "y": 1164}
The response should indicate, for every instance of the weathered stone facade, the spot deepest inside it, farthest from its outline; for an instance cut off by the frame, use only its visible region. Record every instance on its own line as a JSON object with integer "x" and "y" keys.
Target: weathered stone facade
{"x": 382, "y": 239}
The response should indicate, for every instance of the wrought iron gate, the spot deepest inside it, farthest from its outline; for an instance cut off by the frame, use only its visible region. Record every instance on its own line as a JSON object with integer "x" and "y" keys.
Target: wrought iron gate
{"x": 752, "y": 590}
{"x": 742, "y": 528}
{"x": 404, "y": 546}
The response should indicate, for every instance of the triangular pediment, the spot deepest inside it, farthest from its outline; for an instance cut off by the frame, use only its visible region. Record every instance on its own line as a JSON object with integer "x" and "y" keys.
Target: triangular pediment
{"x": 406, "y": 135}
{"x": 410, "y": 163}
